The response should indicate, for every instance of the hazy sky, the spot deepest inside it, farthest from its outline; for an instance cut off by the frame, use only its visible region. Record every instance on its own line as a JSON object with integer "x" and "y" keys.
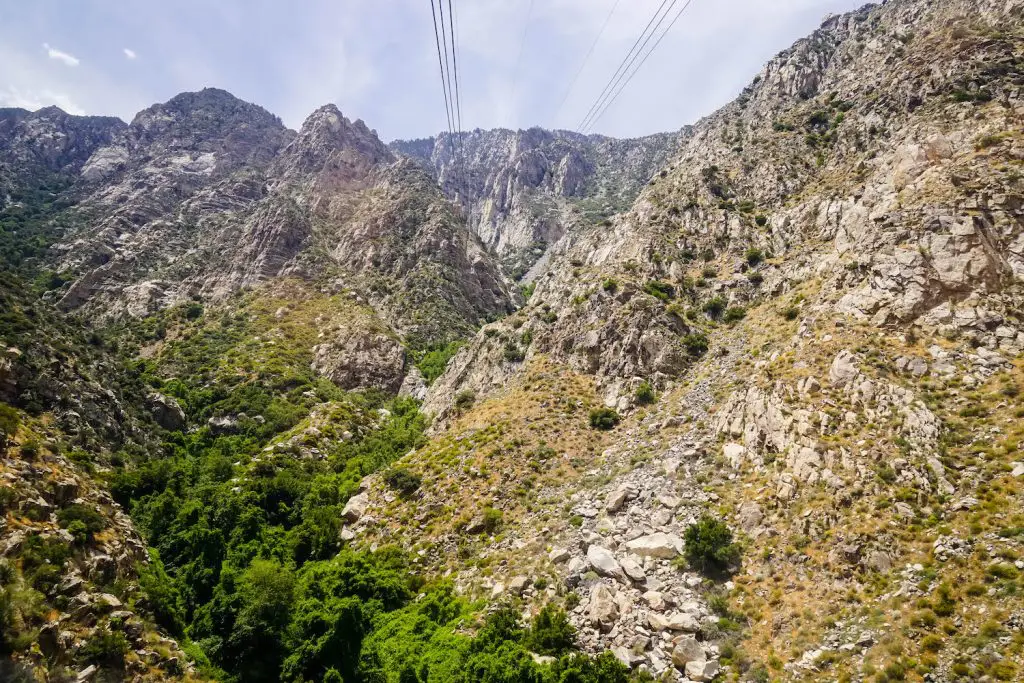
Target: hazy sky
{"x": 376, "y": 59}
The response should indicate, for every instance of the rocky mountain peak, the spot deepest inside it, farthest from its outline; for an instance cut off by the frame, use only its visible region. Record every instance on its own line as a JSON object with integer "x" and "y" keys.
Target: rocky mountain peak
{"x": 210, "y": 121}
{"x": 524, "y": 189}
{"x": 330, "y": 144}
{"x": 47, "y": 143}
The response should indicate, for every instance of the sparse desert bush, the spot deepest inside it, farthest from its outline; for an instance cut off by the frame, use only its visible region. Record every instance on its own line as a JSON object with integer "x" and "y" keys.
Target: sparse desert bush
{"x": 709, "y": 545}
{"x": 604, "y": 418}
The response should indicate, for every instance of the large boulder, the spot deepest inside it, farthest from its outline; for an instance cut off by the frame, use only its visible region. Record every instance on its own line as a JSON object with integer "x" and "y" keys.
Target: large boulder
{"x": 604, "y": 611}
{"x": 355, "y": 508}
{"x": 844, "y": 369}
{"x": 604, "y": 563}
{"x": 167, "y": 412}
{"x": 660, "y": 545}
{"x": 687, "y": 650}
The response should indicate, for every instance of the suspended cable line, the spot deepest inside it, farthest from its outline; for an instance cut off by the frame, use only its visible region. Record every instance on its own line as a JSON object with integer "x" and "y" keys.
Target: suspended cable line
{"x": 455, "y": 66}
{"x": 627, "y": 62}
{"x": 441, "y": 41}
{"x": 519, "y": 59}
{"x": 451, "y": 99}
{"x": 590, "y": 52}
{"x": 643, "y": 61}
{"x": 458, "y": 150}
{"x": 440, "y": 63}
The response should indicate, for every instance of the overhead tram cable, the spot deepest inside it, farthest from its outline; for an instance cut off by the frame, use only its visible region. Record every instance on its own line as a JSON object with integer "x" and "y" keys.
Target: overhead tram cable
{"x": 590, "y": 52}
{"x": 440, "y": 38}
{"x": 519, "y": 59}
{"x": 643, "y": 61}
{"x": 440, "y": 63}
{"x": 627, "y": 62}
{"x": 459, "y": 151}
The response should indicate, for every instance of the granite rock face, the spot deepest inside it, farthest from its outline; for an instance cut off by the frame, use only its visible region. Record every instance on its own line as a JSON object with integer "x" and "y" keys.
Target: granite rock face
{"x": 523, "y": 190}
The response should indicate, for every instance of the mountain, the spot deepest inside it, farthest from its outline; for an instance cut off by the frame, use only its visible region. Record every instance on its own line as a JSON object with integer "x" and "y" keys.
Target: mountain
{"x": 806, "y": 326}
{"x": 740, "y": 402}
{"x": 525, "y": 189}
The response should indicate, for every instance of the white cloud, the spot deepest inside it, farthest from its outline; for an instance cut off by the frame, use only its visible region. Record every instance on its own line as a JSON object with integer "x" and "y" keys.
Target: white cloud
{"x": 130, "y": 53}
{"x": 33, "y": 99}
{"x": 60, "y": 56}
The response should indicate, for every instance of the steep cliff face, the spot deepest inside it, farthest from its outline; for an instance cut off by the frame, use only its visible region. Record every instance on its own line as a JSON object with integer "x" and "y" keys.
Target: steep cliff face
{"x": 524, "y": 189}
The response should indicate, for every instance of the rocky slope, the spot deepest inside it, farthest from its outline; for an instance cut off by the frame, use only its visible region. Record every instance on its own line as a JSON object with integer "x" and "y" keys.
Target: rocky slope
{"x": 523, "y": 190}
{"x": 821, "y": 295}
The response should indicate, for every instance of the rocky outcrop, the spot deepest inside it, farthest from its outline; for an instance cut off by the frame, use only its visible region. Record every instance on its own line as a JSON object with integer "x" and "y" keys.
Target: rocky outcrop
{"x": 75, "y": 603}
{"x": 167, "y": 412}
{"x": 357, "y": 360}
{"x": 48, "y": 147}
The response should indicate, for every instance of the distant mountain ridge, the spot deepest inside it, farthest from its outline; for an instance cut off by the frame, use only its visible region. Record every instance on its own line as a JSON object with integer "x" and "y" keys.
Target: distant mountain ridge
{"x": 525, "y": 189}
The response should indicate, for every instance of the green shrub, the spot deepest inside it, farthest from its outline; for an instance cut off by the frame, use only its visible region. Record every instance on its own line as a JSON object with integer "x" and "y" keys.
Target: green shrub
{"x": 714, "y": 307}
{"x": 433, "y": 361}
{"x": 550, "y": 633}
{"x": 78, "y": 531}
{"x": 193, "y": 310}
{"x": 85, "y": 520}
{"x": 10, "y": 420}
{"x": 30, "y": 449}
{"x": 492, "y": 519}
{"x": 709, "y": 545}
{"x": 696, "y": 344}
{"x": 402, "y": 480}
{"x": 660, "y": 290}
{"x": 7, "y": 498}
{"x": 163, "y": 601}
{"x": 645, "y": 394}
{"x": 105, "y": 648}
{"x": 791, "y": 313}
{"x": 735, "y": 314}
{"x": 754, "y": 256}
{"x": 604, "y": 418}
{"x": 464, "y": 400}
{"x": 761, "y": 220}
{"x": 990, "y": 141}
{"x": 512, "y": 352}
{"x": 610, "y": 285}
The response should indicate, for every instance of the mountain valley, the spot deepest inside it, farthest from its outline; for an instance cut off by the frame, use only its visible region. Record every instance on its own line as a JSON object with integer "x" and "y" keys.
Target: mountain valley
{"x": 739, "y": 402}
